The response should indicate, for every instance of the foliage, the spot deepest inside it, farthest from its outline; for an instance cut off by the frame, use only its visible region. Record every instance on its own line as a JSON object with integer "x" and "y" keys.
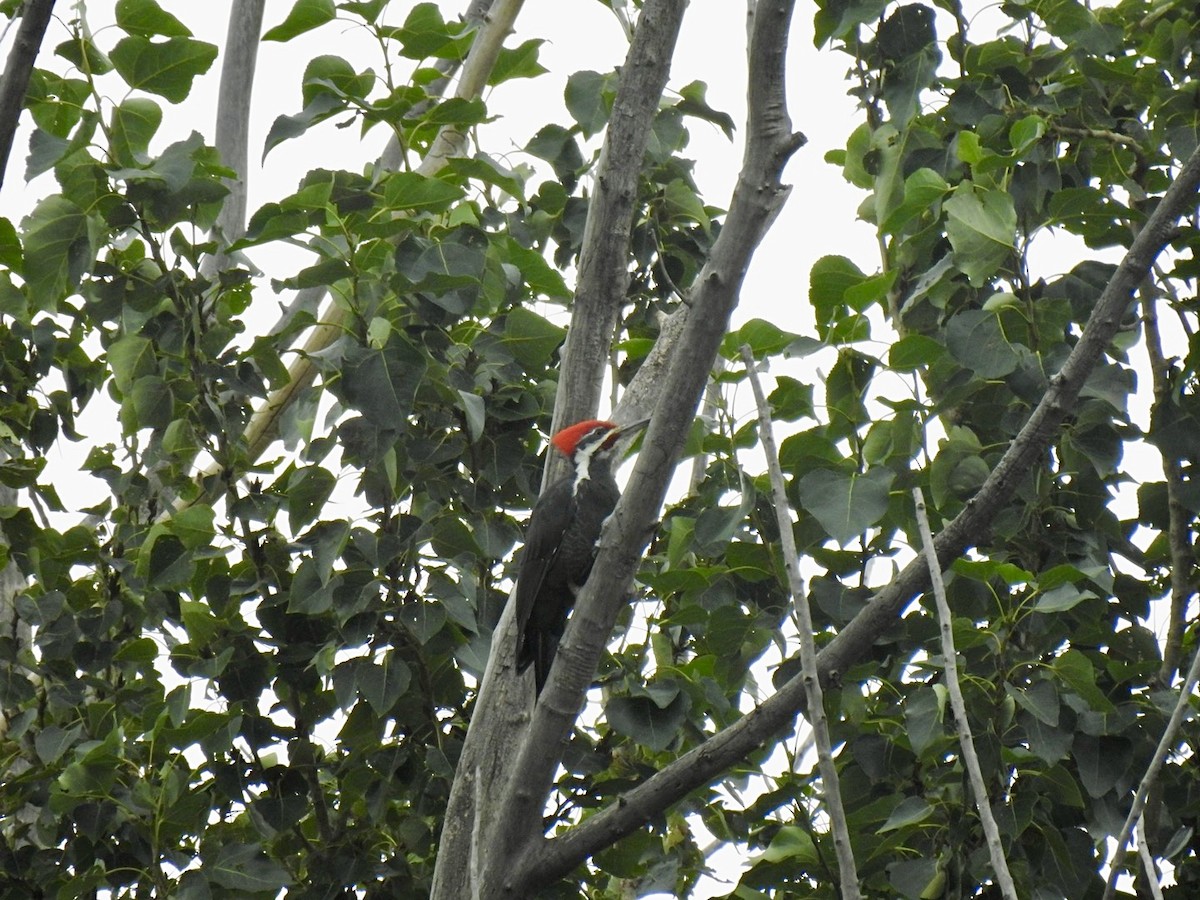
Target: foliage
{"x": 232, "y": 687}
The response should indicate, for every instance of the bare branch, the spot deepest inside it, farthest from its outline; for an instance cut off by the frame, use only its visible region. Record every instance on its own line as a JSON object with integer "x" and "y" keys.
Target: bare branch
{"x": 958, "y": 704}
{"x": 1149, "y": 868}
{"x": 1182, "y": 555}
{"x": 1165, "y": 743}
{"x": 847, "y": 870}
{"x": 35, "y": 18}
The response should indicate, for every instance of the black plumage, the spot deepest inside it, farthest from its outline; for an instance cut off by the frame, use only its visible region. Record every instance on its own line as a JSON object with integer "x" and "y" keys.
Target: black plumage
{"x": 560, "y": 542}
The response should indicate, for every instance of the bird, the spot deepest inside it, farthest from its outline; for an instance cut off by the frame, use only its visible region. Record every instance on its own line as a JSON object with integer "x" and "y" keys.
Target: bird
{"x": 560, "y": 540}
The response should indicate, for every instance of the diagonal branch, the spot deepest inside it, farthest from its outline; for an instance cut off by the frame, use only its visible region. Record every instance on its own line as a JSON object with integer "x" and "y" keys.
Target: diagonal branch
{"x": 814, "y": 697}
{"x": 958, "y": 703}
{"x": 35, "y": 19}
{"x": 703, "y": 764}
{"x": 756, "y": 201}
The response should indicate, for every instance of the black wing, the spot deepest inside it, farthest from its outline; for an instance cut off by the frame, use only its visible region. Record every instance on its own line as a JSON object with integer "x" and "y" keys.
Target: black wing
{"x": 552, "y": 513}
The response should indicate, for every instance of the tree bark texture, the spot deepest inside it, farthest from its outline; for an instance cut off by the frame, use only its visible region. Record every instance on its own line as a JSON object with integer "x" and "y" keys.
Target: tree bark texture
{"x": 35, "y": 18}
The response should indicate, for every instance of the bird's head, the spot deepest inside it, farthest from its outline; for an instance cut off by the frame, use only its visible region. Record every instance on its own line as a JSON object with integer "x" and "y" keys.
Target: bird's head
{"x": 593, "y": 437}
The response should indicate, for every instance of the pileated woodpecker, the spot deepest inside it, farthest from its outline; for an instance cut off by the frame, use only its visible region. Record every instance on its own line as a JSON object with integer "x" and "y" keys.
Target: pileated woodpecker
{"x": 560, "y": 543}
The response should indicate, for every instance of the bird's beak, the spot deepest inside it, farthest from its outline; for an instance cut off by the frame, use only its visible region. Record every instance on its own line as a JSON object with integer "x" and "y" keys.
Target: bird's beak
{"x": 632, "y": 427}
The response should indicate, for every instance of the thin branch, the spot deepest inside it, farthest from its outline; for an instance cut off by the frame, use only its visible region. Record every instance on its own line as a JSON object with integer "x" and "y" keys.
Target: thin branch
{"x": 1165, "y": 743}
{"x": 959, "y": 705}
{"x": 703, "y": 764}
{"x": 847, "y": 870}
{"x": 35, "y": 19}
{"x": 1149, "y": 869}
{"x": 1178, "y": 539}
{"x": 756, "y": 202}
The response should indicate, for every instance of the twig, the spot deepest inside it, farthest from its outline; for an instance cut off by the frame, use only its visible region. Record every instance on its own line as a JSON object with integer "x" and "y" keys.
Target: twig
{"x": 959, "y": 705}
{"x": 1156, "y": 763}
{"x": 1148, "y": 866}
{"x": 35, "y": 18}
{"x": 808, "y": 651}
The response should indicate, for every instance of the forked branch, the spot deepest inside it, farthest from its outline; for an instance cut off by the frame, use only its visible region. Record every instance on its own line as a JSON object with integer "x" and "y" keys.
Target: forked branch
{"x": 756, "y": 201}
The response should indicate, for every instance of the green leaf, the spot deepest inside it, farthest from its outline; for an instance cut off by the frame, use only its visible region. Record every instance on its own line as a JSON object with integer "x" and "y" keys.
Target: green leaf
{"x": 917, "y": 879}
{"x": 381, "y": 384}
{"x": 166, "y": 68}
{"x": 287, "y": 127}
{"x": 647, "y": 720}
{"x": 148, "y": 405}
{"x": 517, "y": 62}
{"x": 473, "y": 410}
{"x": 1077, "y": 671}
{"x": 791, "y": 399}
{"x": 765, "y": 339}
{"x": 923, "y": 190}
{"x": 198, "y": 619}
{"x": 976, "y": 339}
{"x": 1062, "y": 598}
{"x": 791, "y": 844}
{"x": 846, "y": 505}
{"x": 1040, "y": 700}
{"x": 425, "y": 33}
{"x": 194, "y": 525}
{"x": 981, "y": 225}
{"x": 382, "y": 684}
{"x": 914, "y": 351}
{"x": 828, "y": 281}
{"x": 305, "y": 15}
{"x": 531, "y": 339}
{"x": 588, "y": 97}
{"x": 245, "y": 867}
{"x": 169, "y": 564}
{"x": 1102, "y": 762}
{"x": 58, "y": 249}
{"x": 146, "y": 18}
{"x": 10, "y": 246}
{"x": 131, "y": 357}
{"x": 923, "y": 716}
{"x": 411, "y": 190}
{"x": 133, "y": 124}
{"x": 453, "y": 539}
{"x": 140, "y": 650}
{"x": 307, "y": 490}
{"x": 910, "y": 811}
{"x": 1025, "y": 132}
{"x": 328, "y": 74}
{"x": 51, "y": 742}
{"x": 694, "y": 103}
